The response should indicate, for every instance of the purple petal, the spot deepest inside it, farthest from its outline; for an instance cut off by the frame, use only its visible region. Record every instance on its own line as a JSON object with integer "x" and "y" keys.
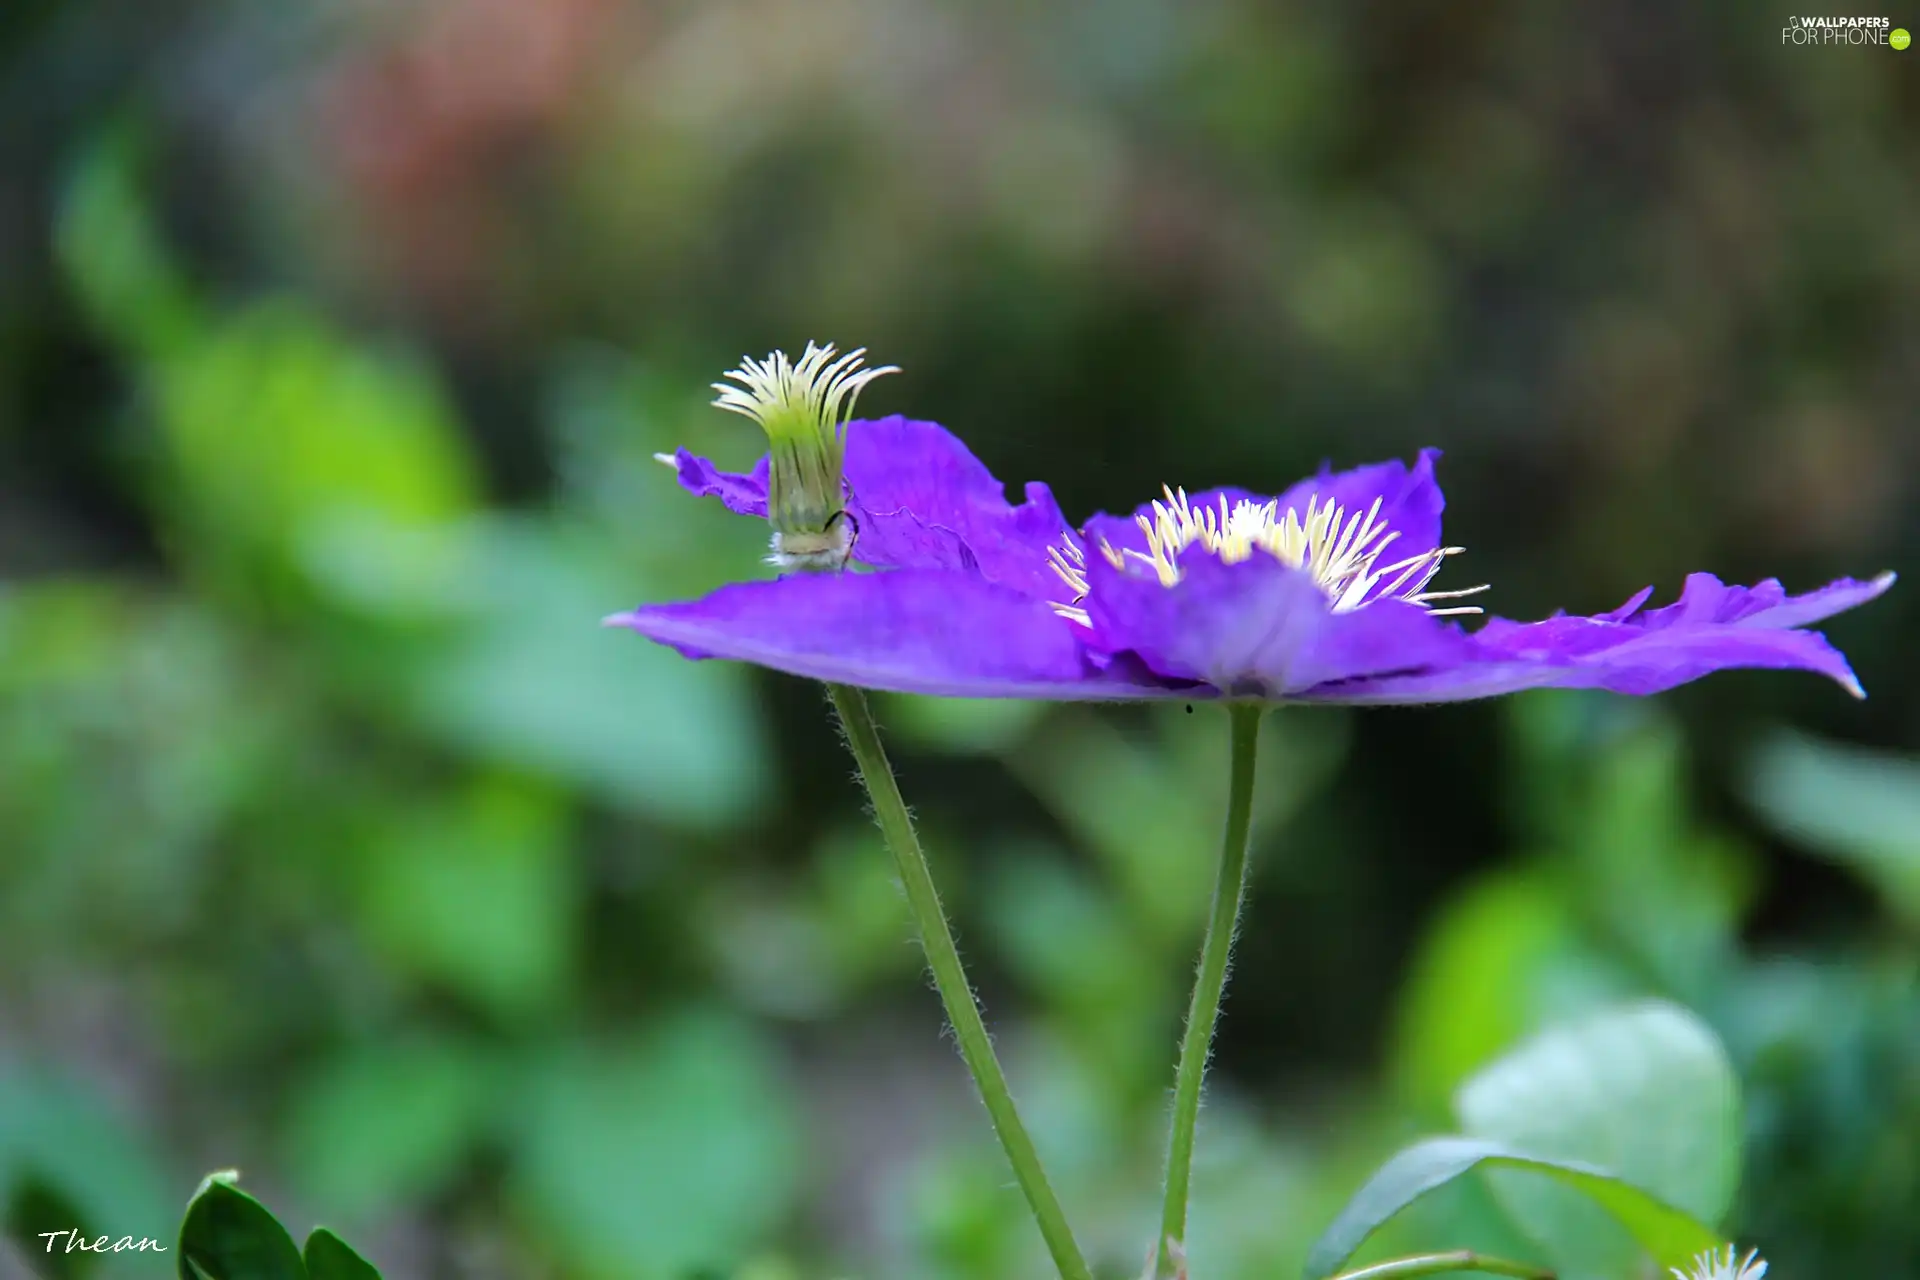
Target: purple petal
{"x": 925, "y": 502}
{"x": 921, "y": 500}
{"x": 1711, "y": 628}
{"x": 1707, "y": 599}
{"x": 1641, "y": 667}
{"x": 1410, "y": 500}
{"x": 1256, "y": 628}
{"x": 744, "y": 495}
{"x": 1627, "y": 610}
{"x": 912, "y": 631}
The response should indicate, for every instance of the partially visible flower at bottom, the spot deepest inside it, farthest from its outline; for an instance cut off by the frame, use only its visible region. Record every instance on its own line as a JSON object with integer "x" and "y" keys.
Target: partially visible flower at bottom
{"x": 1727, "y": 1265}
{"x": 1320, "y": 594}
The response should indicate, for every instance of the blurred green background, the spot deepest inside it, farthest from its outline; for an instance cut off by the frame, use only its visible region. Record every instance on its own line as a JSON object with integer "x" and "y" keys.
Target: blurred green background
{"x": 339, "y": 843}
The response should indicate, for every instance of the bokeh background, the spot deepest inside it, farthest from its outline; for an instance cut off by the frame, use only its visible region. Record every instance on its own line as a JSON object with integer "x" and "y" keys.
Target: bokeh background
{"x": 339, "y": 843}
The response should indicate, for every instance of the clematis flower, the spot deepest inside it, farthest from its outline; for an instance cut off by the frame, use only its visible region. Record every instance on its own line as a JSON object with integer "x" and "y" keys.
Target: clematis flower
{"x": 1724, "y": 1266}
{"x": 1323, "y": 593}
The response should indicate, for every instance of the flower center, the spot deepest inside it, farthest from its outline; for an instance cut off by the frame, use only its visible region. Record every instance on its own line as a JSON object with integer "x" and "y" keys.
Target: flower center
{"x": 1340, "y": 550}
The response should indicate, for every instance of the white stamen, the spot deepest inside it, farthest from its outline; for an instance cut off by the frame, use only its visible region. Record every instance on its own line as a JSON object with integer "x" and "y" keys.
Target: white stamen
{"x": 1337, "y": 549}
{"x": 1728, "y": 1265}
{"x": 816, "y": 385}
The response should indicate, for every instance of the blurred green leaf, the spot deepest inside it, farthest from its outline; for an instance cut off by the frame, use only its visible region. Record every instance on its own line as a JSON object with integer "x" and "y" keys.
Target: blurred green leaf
{"x": 953, "y": 1202}
{"x": 1604, "y": 786}
{"x": 1504, "y": 951}
{"x": 1063, "y": 935}
{"x": 1860, "y": 808}
{"x": 609, "y": 411}
{"x": 1556, "y": 735}
{"x": 228, "y": 1235}
{"x": 1830, "y": 1074}
{"x": 1643, "y": 1091}
{"x": 651, "y": 1158}
{"x": 1248, "y": 1168}
{"x": 1113, "y": 792}
{"x": 1463, "y": 1213}
{"x": 479, "y": 894}
{"x": 114, "y": 253}
{"x": 280, "y": 431}
{"x": 387, "y": 1123}
{"x": 1669, "y": 893}
{"x": 125, "y": 763}
{"x": 532, "y": 680}
{"x": 277, "y": 430}
{"x": 772, "y": 949}
{"x": 1149, "y": 803}
{"x": 1669, "y": 1235}
{"x": 1073, "y": 947}
{"x": 981, "y": 726}
{"x": 328, "y": 1257}
{"x": 862, "y": 913}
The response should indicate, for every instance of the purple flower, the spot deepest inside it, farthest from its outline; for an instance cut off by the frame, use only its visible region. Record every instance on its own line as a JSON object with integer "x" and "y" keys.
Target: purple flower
{"x": 1318, "y": 595}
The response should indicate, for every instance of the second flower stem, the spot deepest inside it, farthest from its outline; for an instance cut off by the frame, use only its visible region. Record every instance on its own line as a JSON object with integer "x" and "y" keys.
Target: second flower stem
{"x": 943, "y": 958}
{"x": 1209, "y": 985}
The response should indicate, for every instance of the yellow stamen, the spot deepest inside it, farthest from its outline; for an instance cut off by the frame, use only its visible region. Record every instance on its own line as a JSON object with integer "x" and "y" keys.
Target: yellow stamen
{"x": 1339, "y": 550}
{"x": 1071, "y": 564}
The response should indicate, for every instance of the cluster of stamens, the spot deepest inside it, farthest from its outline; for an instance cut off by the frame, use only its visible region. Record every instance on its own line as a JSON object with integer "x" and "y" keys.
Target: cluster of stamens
{"x": 815, "y": 389}
{"x": 1340, "y": 550}
{"x": 804, "y": 406}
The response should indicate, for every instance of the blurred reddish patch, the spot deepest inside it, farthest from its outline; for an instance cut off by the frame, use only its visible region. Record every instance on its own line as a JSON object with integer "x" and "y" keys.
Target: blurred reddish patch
{"x": 428, "y": 125}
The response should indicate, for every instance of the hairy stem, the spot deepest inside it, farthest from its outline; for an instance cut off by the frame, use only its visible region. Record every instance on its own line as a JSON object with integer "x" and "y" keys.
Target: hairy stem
{"x": 1210, "y": 982}
{"x": 943, "y": 958}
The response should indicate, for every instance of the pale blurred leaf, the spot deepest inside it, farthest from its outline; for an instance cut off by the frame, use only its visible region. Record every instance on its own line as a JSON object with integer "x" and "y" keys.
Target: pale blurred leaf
{"x": 533, "y": 680}
{"x": 1643, "y": 1091}
{"x": 1669, "y": 1235}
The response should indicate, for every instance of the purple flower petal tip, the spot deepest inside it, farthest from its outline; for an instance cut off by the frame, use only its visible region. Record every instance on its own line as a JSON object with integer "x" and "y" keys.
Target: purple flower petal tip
{"x": 744, "y": 495}
{"x": 1634, "y": 650}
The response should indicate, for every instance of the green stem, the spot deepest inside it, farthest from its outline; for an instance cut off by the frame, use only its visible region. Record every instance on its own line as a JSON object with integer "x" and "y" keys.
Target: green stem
{"x": 1428, "y": 1264}
{"x": 863, "y": 738}
{"x": 1229, "y": 890}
